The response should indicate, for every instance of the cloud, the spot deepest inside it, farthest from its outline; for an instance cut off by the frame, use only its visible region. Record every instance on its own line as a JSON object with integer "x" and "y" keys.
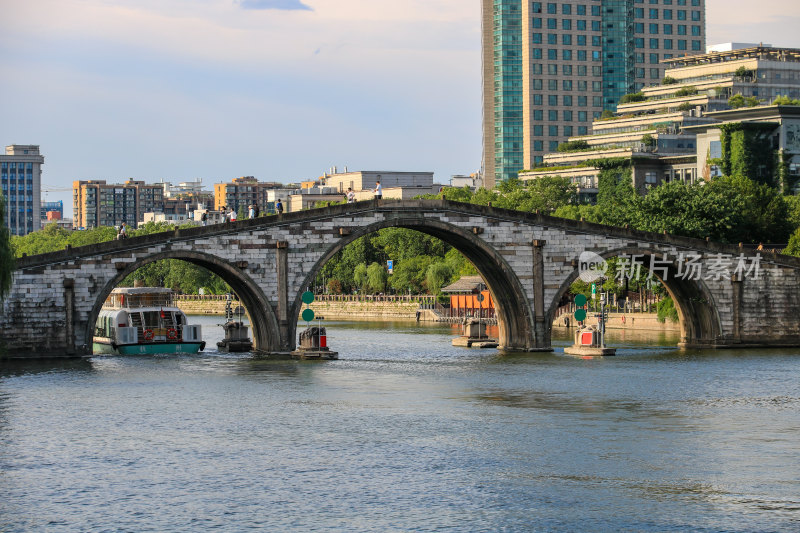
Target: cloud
{"x": 274, "y": 4}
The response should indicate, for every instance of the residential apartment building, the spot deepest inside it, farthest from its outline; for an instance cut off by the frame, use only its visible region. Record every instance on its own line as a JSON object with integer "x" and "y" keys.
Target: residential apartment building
{"x": 21, "y": 181}
{"x": 191, "y": 192}
{"x": 550, "y": 68}
{"x": 97, "y": 203}
{"x": 56, "y": 210}
{"x": 243, "y": 192}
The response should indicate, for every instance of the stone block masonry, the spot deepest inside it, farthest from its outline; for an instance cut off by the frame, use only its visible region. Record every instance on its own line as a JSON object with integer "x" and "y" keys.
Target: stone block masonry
{"x": 527, "y": 260}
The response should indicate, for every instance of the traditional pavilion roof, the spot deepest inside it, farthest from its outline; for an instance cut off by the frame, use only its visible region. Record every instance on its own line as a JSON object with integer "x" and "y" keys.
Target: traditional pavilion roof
{"x": 466, "y": 284}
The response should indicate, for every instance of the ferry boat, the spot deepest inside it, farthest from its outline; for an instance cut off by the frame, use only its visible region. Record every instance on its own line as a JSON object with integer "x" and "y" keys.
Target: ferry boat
{"x": 144, "y": 320}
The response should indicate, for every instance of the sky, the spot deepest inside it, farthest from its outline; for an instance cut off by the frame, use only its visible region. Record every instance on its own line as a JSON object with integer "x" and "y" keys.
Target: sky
{"x": 277, "y": 89}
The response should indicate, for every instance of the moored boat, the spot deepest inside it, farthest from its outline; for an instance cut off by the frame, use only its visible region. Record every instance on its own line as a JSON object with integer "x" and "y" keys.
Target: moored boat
{"x": 144, "y": 320}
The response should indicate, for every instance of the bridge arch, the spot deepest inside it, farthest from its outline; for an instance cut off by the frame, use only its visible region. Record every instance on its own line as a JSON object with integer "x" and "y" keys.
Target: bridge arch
{"x": 697, "y": 311}
{"x": 264, "y": 323}
{"x": 515, "y": 324}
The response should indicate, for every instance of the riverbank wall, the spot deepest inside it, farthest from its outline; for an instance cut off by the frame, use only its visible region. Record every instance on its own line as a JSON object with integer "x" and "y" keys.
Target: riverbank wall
{"x": 639, "y": 321}
{"x": 406, "y": 308}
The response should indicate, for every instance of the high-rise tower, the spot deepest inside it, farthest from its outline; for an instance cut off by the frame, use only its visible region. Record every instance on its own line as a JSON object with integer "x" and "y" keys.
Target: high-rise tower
{"x": 21, "y": 181}
{"x": 550, "y": 68}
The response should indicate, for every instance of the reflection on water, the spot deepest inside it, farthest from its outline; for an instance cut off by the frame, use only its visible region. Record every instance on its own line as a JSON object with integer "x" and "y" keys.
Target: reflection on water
{"x": 405, "y": 432}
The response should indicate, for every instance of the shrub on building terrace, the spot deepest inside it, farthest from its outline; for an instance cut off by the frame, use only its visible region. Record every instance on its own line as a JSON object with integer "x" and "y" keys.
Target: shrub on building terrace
{"x": 633, "y": 97}
{"x": 573, "y": 146}
{"x": 686, "y": 91}
{"x": 785, "y": 100}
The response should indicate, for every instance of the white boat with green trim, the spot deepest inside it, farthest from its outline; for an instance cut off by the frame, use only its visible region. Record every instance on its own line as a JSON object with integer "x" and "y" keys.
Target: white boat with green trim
{"x": 144, "y": 320}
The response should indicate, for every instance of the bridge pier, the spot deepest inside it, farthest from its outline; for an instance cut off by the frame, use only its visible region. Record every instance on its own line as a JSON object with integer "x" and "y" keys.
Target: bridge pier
{"x": 738, "y": 291}
{"x": 541, "y": 329}
{"x": 69, "y": 316}
{"x": 282, "y": 266}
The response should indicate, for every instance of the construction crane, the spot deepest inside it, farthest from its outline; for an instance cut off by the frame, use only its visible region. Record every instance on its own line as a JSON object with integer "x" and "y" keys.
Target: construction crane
{"x": 46, "y": 190}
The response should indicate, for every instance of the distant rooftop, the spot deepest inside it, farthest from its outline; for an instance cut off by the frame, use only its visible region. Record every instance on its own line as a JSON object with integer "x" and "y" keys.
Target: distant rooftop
{"x": 466, "y": 284}
{"x": 730, "y": 47}
{"x": 756, "y": 52}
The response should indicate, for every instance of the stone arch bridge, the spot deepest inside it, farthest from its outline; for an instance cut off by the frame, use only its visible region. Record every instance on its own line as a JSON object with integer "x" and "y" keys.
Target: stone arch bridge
{"x": 528, "y": 261}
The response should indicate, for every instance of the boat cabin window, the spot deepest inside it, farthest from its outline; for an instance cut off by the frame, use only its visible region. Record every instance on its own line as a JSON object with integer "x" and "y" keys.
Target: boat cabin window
{"x": 152, "y": 319}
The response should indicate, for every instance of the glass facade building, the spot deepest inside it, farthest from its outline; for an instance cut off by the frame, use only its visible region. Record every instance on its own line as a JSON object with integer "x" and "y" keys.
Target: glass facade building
{"x": 550, "y": 68}
{"x": 57, "y": 207}
{"x": 21, "y": 182}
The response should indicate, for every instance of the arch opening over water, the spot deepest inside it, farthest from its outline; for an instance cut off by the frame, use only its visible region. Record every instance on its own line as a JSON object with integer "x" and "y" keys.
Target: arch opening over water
{"x": 264, "y": 324}
{"x": 697, "y": 312}
{"x": 515, "y": 325}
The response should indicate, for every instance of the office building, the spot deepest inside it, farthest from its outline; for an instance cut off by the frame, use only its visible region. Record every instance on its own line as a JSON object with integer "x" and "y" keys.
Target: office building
{"x": 669, "y": 131}
{"x": 366, "y": 180}
{"x": 550, "y": 68}
{"x": 97, "y": 203}
{"x": 21, "y": 181}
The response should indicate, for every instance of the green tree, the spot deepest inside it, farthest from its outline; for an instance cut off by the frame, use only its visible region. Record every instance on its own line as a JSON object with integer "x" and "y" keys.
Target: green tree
{"x": 648, "y": 140}
{"x": 360, "y": 276}
{"x": 669, "y": 80}
{"x": 617, "y": 201}
{"x": 544, "y": 194}
{"x": 793, "y": 209}
{"x": 409, "y": 275}
{"x": 726, "y": 209}
{"x": 793, "y": 248}
{"x": 376, "y": 278}
{"x": 736, "y": 101}
{"x": 666, "y": 310}
{"x": 437, "y": 275}
{"x": 6, "y": 253}
{"x": 459, "y": 265}
{"x": 590, "y": 213}
{"x": 342, "y": 266}
{"x": 401, "y": 243}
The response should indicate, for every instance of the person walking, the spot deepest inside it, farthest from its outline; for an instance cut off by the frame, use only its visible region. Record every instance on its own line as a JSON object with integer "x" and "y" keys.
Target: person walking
{"x": 279, "y": 206}
{"x": 123, "y": 232}
{"x": 351, "y": 196}
{"x": 204, "y": 218}
{"x": 378, "y": 190}
{"x": 252, "y": 212}
{"x": 232, "y": 215}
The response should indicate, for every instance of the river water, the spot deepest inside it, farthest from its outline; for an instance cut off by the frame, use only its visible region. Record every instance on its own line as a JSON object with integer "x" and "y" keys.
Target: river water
{"x": 404, "y": 433}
